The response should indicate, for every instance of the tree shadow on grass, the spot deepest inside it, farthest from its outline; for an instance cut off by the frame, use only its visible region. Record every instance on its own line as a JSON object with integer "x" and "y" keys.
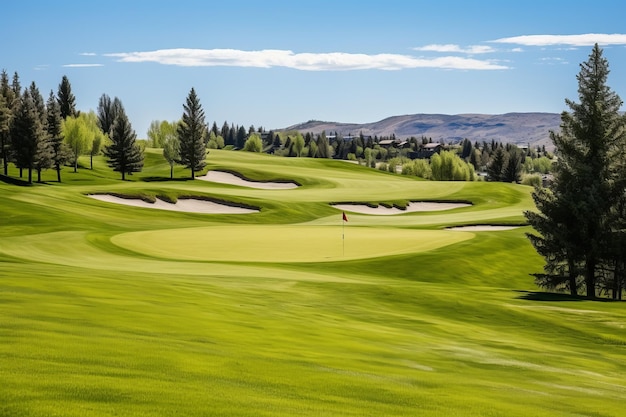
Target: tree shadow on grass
{"x": 164, "y": 179}
{"x": 14, "y": 181}
{"x": 553, "y": 296}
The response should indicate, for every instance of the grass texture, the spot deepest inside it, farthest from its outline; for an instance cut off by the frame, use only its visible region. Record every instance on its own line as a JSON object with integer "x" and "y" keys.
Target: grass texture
{"x": 109, "y": 310}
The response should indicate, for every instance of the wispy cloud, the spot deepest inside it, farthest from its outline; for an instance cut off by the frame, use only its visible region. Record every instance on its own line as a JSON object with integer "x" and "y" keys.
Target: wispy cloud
{"x": 451, "y": 48}
{"x": 88, "y": 54}
{"x": 334, "y": 61}
{"x": 42, "y": 67}
{"x": 553, "y": 60}
{"x": 587, "y": 39}
{"x": 82, "y": 65}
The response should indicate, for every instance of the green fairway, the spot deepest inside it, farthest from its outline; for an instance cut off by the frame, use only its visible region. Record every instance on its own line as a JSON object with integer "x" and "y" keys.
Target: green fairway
{"x": 109, "y": 310}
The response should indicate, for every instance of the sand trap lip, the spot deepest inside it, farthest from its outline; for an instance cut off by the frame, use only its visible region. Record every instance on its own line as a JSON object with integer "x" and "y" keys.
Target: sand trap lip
{"x": 482, "y": 228}
{"x": 412, "y": 207}
{"x": 223, "y": 177}
{"x": 187, "y": 205}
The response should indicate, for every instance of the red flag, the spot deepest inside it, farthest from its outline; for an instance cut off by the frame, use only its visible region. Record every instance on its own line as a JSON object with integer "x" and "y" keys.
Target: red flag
{"x": 345, "y": 219}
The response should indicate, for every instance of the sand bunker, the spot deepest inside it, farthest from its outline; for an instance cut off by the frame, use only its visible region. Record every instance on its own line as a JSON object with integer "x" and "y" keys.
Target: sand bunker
{"x": 482, "y": 228}
{"x": 232, "y": 179}
{"x": 410, "y": 208}
{"x": 189, "y": 205}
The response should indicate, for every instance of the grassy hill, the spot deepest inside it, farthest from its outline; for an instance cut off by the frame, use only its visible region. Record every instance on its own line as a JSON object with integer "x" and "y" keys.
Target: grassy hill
{"x": 107, "y": 309}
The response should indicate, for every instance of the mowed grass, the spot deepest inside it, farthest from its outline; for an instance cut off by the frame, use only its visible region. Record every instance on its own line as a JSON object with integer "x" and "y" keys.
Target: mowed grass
{"x": 112, "y": 310}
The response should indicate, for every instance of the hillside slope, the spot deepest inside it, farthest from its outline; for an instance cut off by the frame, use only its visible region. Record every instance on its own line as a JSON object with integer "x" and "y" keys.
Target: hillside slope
{"x": 519, "y": 128}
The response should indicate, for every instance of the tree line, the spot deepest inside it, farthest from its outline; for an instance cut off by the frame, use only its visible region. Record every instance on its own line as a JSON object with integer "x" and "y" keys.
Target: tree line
{"x": 36, "y": 135}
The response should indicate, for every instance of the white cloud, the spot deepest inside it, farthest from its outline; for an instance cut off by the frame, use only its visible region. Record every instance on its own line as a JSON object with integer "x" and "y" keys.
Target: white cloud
{"x": 82, "y": 65}
{"x": 588, "y": 39}
{"x": 335, "y": 61}
{"x": 87, "y": 54}
{"x": 451, "y": 48}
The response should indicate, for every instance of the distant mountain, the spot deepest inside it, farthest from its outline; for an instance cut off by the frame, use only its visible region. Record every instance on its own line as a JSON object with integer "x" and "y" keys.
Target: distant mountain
{"x": 518, "y": 128}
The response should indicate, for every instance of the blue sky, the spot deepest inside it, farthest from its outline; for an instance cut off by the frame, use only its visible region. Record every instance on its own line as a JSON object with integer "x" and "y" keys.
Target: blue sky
{"x": 277, "y": 63}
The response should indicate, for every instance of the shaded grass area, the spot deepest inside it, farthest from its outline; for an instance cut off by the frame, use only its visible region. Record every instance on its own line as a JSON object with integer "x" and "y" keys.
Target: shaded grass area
{"x": 110, "y": 310}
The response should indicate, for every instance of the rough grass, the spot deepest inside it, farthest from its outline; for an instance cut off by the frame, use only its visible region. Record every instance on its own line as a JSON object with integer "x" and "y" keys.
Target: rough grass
{"x": 113, "y": 310}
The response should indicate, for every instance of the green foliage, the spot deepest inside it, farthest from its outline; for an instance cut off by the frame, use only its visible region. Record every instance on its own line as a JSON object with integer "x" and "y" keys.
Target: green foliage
{"x": 66, "y": 99}
{"x": 191, "y": 130}
{"x": 298, "y": 144}
{"x": 448, "y": 166}
{"x": 124, "y": 155}
{"x": 28, "y": 136}
{"x": 215, "y": 141}
{"x": 54, "y": 126}
{"x": 160, "y": 131}
{"x": 577, "y": 214}
{"x": 253, "y": 143}
{"x": 533, "y": 180}
{"x": 496, "y": 167}
{"x": 542, "y": 165}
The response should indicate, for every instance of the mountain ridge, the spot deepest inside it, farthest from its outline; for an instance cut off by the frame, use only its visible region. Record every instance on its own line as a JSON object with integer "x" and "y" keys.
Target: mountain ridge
{"x": 531, "y": 128}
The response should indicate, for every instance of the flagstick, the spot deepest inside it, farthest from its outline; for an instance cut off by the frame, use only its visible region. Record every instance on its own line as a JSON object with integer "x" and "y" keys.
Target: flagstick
{"x": 343, "y": 237}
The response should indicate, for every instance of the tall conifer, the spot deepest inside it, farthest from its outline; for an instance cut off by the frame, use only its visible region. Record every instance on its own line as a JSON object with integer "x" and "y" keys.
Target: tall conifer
{"x": 191, "y": 132}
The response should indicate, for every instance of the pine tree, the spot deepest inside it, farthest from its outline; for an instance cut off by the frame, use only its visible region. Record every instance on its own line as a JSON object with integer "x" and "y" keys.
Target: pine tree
{"x": 190, "y": 135}
{"x": 7, "y": 107}
{"x": 123, "y": 154}
{"x": 512, "y": 169}
{"x": 5, "y": 128}
{"x": 107, "y": 111}
{"x": 60, "y": 153}
{"x": 66, "y": 99}
{"x": 27, "y": 133}
{"x": 497, "y": 164}
{"x": 586, "y": 187}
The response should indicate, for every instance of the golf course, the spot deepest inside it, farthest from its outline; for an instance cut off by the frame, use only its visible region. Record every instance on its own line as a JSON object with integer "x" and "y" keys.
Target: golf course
{"x": 270, "y": 303}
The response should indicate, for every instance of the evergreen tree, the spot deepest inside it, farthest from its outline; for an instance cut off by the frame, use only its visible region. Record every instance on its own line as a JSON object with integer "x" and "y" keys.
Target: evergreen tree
{"x": 66, "y": 99}
{"x": 242, "y": 135}
{"x": 107, "y": 112}
{"x": 512, "y": 169}
{"x": 27, "y": 133}
{"x": 7, "y": 106}
{"x": 5, "y": 128}
{"x": 123, "y": 153}
{"x": 190, "y": 135}
{"x": 60, "y": 153}
{"x": 323, "y": 147}
{"x": 225, "y": 133}
{"x": 586, "y": 185}
{"x": 497, "y": 164}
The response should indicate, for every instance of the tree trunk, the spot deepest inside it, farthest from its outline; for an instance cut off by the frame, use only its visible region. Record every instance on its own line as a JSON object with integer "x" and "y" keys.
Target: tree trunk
{"x": 38, "y": 174}
{"x": 572, "y": 279}
{"x": 76, "y": 164}
{"x": 590, "y": 276}
{"x": 6, "y": 164}
{"x": 58, "y": 173}
{"x": 91, "y": 162}
{"x": 123, "y": 175}
{"x": 21, "y": 172}
{"x": 30, "y": 175}
{"x": 171, "y": 172}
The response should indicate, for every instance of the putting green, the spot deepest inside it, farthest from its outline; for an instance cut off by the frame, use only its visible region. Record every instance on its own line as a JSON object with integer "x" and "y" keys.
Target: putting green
{"x": 283, "y": 243}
